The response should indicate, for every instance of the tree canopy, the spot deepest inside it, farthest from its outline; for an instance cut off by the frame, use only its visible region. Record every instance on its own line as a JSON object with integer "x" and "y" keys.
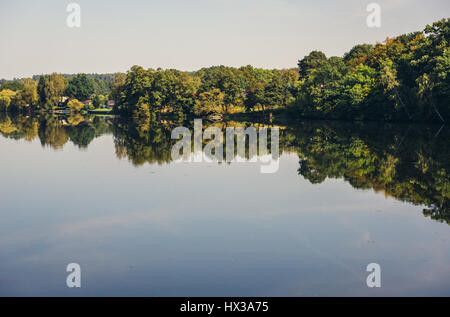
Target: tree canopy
{"x": 405, "y": 78}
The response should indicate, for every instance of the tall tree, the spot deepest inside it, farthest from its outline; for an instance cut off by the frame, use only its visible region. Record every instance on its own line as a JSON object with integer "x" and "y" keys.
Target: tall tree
{"x": 80, "y": 87}
{"x": 310, "y": 62}
{"x": 50, "y": 89}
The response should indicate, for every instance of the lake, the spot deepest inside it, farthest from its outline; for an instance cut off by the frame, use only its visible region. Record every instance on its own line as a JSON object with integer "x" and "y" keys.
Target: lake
{"x": 104, "y": 192}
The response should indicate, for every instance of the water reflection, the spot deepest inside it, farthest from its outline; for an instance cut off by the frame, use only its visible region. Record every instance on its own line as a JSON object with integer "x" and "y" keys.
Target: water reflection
{"x": 409, "y": 163}
{"x": 55, "y": 131}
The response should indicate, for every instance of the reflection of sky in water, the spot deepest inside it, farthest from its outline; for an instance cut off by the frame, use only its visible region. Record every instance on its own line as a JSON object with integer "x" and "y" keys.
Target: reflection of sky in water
{"x": 203, "y": 229}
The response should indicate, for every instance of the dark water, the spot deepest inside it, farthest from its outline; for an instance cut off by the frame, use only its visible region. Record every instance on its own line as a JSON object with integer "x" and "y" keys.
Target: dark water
{"x": 105, "y": 193}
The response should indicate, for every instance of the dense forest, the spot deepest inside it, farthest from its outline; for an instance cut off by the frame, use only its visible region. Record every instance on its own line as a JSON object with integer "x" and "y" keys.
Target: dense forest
{"x": 405, "y": 78}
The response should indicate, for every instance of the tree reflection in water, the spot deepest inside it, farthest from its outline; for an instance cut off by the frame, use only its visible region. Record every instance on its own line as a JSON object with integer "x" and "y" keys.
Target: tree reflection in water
{"x": 408, "y": 162}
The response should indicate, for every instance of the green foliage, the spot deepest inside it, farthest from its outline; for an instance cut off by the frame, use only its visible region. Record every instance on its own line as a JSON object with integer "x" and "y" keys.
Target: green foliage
{"x": 51, "y": 89}
{"x": 18, "y": 100}
{"x": 98, "y": 101}
{"x": 119, "y": 83}
{"x": 13, "y": 85}
{"x": 214, "y": 90}
{"x": 75, "y": 105}
{"x": 311, "y": 62}
{"x": 148, "y": 91}
{"x": 402, "y": 79}
{"x": 27, "y": 96}
{"x": 80, "y": 87}
{"x": 405, "y": 78}
{"x": 101, "y": 83}
{"x": 210, "y": 102}
{"x": 358, "y": 54}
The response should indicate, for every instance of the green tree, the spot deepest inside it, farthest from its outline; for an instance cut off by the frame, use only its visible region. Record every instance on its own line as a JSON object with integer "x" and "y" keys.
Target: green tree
{"x": 118, "y": 85}
{"x": 51, "y": 89}
{"x": 80, "y": 87}
{"x": 98, "y": 100}
{"x": 209, "y": 102}
{"x": 255, "y": 96}
{"x": 358, "y": 54}
{"x": 310, "y": 62}
{"x": 13, "y": 85}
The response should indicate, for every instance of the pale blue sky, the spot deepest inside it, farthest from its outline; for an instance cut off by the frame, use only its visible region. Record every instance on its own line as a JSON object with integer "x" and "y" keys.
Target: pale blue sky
{"x": 188, "y": 35}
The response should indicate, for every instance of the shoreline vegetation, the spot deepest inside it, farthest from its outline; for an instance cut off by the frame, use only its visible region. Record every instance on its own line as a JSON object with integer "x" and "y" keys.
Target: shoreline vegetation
{"x": 405, "y": 78}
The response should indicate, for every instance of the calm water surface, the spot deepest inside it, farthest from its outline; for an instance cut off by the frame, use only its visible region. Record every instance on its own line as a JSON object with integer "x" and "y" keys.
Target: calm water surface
{"x": 105, "y": 194}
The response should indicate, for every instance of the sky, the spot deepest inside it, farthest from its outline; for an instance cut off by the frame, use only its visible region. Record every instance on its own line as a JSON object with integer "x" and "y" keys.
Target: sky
{"x": 191, "y": 34}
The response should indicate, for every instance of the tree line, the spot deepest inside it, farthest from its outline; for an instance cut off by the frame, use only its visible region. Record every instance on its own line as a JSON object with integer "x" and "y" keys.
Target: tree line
{"x": 403, "y": 78}
{"x": 46, "y": 92}
{"x": 218, "y": 90}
